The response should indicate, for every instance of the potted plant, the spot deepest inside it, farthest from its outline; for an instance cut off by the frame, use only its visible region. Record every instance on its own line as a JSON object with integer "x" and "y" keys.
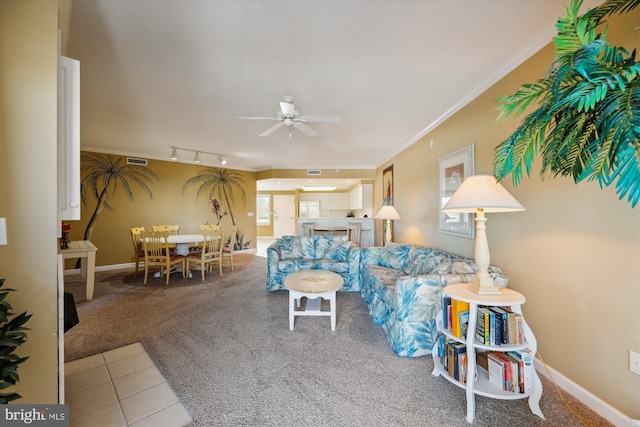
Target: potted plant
{"x": 12, "y": 334}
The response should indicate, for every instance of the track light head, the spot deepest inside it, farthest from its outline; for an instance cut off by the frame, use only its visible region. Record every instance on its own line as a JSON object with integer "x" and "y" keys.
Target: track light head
{"x": 222, "y": 160}
{"x": 197, "y": 158}
{"x": 174, "y": 155}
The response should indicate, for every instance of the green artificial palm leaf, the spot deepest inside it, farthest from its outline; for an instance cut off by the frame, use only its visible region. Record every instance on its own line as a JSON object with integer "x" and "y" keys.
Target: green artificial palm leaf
{"x": 587, "y": 120}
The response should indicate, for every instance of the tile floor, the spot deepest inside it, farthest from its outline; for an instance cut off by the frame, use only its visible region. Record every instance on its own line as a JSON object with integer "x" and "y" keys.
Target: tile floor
{"x": 121, "y": 388}
{"x": 262, "y": 243}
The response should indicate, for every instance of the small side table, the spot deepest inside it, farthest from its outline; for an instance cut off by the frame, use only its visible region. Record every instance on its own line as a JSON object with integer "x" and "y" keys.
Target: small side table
{"x": 86, "y": 251}
{"x": 315, "y": 285}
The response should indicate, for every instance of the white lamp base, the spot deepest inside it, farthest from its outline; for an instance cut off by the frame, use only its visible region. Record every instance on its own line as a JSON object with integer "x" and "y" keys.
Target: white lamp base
{"x": 483, "y": 284}
{"x": 477, "y": 288}
{"x": 388, "y": 232}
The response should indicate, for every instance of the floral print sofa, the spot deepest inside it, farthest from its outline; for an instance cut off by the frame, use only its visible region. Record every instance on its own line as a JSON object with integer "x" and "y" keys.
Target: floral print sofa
{"x": 402, "y": 285}
{"x": 295, "y": 253}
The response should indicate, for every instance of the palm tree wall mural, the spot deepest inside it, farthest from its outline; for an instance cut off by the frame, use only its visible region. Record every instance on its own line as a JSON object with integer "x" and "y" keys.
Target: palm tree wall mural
{"x": 105, "y": 174}
{"x": 221, "y": 182}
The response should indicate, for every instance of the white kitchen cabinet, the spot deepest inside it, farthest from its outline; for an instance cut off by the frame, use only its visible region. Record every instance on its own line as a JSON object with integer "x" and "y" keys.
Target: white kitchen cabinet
{"x": 361, "y": 197}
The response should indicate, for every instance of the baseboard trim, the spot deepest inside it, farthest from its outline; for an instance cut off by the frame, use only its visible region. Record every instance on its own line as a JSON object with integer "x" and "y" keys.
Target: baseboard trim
{"x": 131, "y": 265}
{"x": 601, "y": 407}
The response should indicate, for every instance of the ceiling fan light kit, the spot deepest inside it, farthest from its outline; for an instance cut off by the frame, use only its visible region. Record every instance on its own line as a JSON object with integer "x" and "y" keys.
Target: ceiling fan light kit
{"x": 289, "y": 116}
{"x": 196, "y": 159}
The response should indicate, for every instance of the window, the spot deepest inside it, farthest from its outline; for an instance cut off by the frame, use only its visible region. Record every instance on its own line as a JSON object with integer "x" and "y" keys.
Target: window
{"x": 263, "y": 208}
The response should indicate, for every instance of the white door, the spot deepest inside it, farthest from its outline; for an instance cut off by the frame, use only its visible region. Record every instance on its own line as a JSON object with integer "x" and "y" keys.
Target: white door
{"x": 284, "y": 211}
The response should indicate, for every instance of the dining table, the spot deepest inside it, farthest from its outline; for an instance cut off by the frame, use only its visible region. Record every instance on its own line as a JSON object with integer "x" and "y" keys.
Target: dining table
{"x": 184, "y": 241}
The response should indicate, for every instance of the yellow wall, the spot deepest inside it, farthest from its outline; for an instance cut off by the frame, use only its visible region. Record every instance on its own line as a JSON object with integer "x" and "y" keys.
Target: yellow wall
{"x": 168, "y": 206}
{"x": 28, "y": 93}
{"x": 574, "y": 253}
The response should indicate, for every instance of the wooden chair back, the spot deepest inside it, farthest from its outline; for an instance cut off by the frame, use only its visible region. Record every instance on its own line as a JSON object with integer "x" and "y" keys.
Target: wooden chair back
{"x": 172, "y": 229}
{"x": 138, "y": 249}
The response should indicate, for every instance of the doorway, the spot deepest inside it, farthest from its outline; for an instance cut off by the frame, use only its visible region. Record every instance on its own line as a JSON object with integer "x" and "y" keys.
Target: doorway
{"x": 284, "y": 212}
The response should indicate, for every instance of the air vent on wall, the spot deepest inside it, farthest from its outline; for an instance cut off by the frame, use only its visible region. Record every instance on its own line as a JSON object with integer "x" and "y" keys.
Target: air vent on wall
{"x": 136, "y": 161}
{"x": 314, "y": 172}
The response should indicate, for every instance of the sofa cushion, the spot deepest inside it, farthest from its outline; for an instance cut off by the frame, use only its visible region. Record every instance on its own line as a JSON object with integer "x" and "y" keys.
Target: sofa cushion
{"x": 331, "y": 265}
{"x": 395, "y": 255}
{"x": 333, "y": 248}
{"x": 444, "y": 267}
{"x": 415, "y": 266}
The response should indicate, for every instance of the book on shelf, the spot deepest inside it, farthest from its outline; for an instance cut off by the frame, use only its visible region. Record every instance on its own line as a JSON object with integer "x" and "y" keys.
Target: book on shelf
{"x": 454, "y": 352}
{"x": 483, "y": 327}
{"x": 520, "y": 370}
{"x": 502, "y": 325}
{"x": 464, "y": 323}
{"x": 446, "y": 310}
{"x": 457, "y": 307}
{"x": 482, "y": 360}
{"x": 495, "y": 370}
{"x": 462, "y": 368}
{"x": 526, "y": 355}
{"x": 520, "y": 329}
{"x": 512, "y": 327}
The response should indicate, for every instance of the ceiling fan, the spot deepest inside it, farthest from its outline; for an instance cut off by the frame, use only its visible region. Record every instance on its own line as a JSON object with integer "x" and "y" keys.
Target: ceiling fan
{"x": 288, "y": 116}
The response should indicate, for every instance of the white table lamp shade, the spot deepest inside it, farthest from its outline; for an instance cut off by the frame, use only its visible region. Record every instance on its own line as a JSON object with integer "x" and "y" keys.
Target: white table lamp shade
{"x": 387, "y": 213}
{"x": 482, "y": 192}
{"x": 479, "y": 194}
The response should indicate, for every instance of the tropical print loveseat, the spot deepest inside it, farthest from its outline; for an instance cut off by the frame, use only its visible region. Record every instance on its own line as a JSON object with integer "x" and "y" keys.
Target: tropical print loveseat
{"x": 294, "y": 253}
{"x": 402, "y": 285}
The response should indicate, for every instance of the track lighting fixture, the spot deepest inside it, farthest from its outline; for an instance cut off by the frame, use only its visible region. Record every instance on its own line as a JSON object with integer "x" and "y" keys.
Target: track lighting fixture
{"x": 174, "y": 155}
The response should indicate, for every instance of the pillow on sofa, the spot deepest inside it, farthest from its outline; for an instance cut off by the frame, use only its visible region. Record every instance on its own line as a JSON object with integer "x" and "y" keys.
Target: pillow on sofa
{"x": 290, "y": 247}
{"x": 464, "y": 267}
{"x": 334, "y": 248}
{"x": 422, "y": 266}
{"x": 415, "y": 266}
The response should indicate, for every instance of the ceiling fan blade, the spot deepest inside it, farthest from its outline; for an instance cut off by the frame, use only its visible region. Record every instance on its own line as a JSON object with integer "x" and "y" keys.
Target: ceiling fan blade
{"x": 272, "y": 128}
{"x": 320, "y": 118}
{"x": 305, "y": 129}
{"x": 257, "y": 118}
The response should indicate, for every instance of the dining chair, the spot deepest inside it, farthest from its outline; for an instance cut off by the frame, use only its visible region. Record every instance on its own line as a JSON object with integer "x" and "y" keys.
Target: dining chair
{"x": 355, "y": 232}
{"x": 227, "y": 252}
{"x": 137, "y": 246}
{"x": 211, "y": 251}
{"x": 172, "y": 229}
{"x": 157, "y": 254}
{"x": 307, "y": 228}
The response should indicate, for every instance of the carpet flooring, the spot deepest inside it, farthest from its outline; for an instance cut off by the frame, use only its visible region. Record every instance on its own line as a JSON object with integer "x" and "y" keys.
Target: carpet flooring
{"x": 225, "y": 348}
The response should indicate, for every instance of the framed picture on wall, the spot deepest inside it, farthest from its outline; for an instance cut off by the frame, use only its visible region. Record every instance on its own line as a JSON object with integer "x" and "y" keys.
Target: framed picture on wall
{"x": 454, "y": 168}
{"x": 387, "y": 186}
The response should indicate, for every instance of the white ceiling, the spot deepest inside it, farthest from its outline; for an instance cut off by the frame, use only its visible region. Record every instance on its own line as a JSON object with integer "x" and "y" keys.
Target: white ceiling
{"x": 161, "y": 73}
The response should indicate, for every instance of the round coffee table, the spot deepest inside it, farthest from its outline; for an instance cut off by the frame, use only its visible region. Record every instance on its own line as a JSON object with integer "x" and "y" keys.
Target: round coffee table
{"x": 315, "y": 285}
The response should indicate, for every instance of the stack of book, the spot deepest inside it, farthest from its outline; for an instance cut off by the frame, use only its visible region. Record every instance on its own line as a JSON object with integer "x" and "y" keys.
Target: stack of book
{"x": 510, "y": 371}
{"x": 455, "y": 317}
{"x": 498, "y": 325}
{"x": 453, "y": 356}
